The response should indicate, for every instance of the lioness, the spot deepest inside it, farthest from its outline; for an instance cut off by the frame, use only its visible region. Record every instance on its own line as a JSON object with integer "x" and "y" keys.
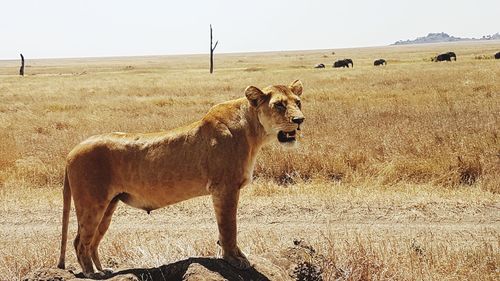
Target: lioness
{"x": 214, "y": 156}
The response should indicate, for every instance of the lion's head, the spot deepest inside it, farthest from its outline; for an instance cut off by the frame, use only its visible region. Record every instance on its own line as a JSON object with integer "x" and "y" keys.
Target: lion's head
{"x": 279, "y": 109}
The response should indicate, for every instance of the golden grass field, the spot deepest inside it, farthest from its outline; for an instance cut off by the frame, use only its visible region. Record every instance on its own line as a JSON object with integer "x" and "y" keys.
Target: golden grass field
{"x": 397, "y": 176}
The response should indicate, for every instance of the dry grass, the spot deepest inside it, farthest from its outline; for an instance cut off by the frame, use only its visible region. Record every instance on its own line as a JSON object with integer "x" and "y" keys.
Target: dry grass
{"x": 415, "y": 140}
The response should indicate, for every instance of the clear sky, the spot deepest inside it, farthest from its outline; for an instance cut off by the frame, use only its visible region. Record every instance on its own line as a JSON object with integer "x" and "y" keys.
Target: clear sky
{"x": 80, "y": 28}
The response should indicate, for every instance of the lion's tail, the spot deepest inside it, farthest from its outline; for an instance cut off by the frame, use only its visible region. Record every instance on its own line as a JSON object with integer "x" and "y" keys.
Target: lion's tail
{"x": 65, "y": 219}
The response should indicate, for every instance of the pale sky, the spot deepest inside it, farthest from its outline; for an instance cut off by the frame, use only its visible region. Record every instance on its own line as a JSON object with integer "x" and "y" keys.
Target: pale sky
{"x": 83, "y": 28}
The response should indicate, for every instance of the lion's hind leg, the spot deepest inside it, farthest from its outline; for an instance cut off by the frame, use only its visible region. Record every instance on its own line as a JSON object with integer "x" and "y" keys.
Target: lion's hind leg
{"x": 89, "y": 217}
{"x": 101, "y": 230}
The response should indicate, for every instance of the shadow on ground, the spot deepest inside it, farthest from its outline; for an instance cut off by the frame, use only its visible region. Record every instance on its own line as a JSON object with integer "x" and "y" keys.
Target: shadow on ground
{"x": 193, "y": 269}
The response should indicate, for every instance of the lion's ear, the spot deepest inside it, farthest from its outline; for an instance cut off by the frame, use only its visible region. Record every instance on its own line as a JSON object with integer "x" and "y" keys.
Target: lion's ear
{"x": 296, "y": 87}
{"x": 255, "y": 95}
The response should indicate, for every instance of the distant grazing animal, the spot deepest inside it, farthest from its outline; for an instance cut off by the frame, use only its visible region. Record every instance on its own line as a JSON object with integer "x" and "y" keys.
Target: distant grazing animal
{"x": 380, "y": 62}
{"x": 452, "y": 55}
{"x": 497, "y": 55}
{"x": 213, "y": 156}
{"x": 343, "y": 63}
{"x": 320, "y": 65}
{"x": 445, "y": 57}
{"x": 349, "y": 61}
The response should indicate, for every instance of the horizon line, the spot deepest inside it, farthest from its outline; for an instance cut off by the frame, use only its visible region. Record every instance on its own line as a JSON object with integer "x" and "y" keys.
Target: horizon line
{"x": 247, "y": 52}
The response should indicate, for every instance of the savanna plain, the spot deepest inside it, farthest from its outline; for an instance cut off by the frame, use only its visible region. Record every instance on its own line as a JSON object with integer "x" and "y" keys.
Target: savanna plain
{"x": 396, "y": 177}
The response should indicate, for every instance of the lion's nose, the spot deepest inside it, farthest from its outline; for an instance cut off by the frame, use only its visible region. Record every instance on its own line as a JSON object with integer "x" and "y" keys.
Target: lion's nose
{"x": 298, "y": 120}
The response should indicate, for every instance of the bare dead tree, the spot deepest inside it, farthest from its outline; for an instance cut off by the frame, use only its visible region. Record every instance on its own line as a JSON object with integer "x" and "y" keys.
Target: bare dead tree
{"x": 21, "y": 70}
{"x": 212, "y": 51}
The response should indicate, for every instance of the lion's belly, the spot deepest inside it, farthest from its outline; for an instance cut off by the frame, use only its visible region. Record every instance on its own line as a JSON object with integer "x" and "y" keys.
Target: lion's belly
{"x": 154, "y": 197}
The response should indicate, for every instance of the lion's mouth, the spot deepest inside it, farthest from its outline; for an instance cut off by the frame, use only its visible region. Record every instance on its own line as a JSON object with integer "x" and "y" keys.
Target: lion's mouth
{"x": 286, "y": 136}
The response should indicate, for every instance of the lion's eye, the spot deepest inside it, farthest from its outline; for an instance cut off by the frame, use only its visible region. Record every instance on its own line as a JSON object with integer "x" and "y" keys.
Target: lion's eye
{"x": 280, "y": 106}
{"x": 299, "y": 104}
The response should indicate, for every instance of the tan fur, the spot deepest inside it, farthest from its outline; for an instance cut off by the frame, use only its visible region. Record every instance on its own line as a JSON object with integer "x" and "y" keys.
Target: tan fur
{"x": 214, "y": 156}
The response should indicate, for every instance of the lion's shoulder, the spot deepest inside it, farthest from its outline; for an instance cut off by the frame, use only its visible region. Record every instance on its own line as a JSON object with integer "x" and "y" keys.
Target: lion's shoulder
{"x": 227, "y": 115}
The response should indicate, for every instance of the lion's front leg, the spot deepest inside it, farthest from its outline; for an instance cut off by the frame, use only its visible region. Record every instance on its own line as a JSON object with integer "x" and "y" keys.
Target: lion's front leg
{"x": 226, "y": 205}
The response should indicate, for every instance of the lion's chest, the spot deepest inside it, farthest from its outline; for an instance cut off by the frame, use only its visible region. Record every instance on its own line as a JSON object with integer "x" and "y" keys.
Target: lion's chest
{"x": 248, "y": 173}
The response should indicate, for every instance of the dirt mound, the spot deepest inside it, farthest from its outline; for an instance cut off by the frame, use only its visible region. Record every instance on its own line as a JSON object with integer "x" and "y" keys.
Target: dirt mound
{"x": 298, "y": 262}
{"x": 192, "y": 269}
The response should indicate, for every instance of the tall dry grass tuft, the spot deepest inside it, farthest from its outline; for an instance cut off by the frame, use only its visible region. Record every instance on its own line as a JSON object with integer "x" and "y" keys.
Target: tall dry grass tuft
{"x": 8, "y": 150}
{"x": 8, "y": 155}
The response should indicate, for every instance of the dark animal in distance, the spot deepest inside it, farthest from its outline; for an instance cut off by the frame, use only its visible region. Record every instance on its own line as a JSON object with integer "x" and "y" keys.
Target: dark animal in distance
{"x": 319, "y": 65}
{"x": 380, "y": 62}
{"x": 349, "y": 61}
{"x": 343, "y": 63}
{"x": 497, "y": 55}
{"x": 445, "y": 57}
{"x": 452, "y": 55}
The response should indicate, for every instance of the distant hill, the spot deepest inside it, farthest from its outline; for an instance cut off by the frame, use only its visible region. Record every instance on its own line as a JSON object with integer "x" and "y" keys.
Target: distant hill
{"x": 444, "y": 37}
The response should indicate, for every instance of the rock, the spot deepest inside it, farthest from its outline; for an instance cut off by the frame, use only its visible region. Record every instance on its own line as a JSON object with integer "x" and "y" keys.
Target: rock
{"x": 211, "y": 269}
{"x": 49, "y": 274}
{"x": 55, "y": 274}
{"x": 197, "y": 272}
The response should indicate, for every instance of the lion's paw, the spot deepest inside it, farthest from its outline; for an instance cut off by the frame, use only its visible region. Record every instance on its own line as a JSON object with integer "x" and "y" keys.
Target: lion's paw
{"x": 107, "y": 271}
{"x": 238, "y": 260}
{"x": 95, "y": 275}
